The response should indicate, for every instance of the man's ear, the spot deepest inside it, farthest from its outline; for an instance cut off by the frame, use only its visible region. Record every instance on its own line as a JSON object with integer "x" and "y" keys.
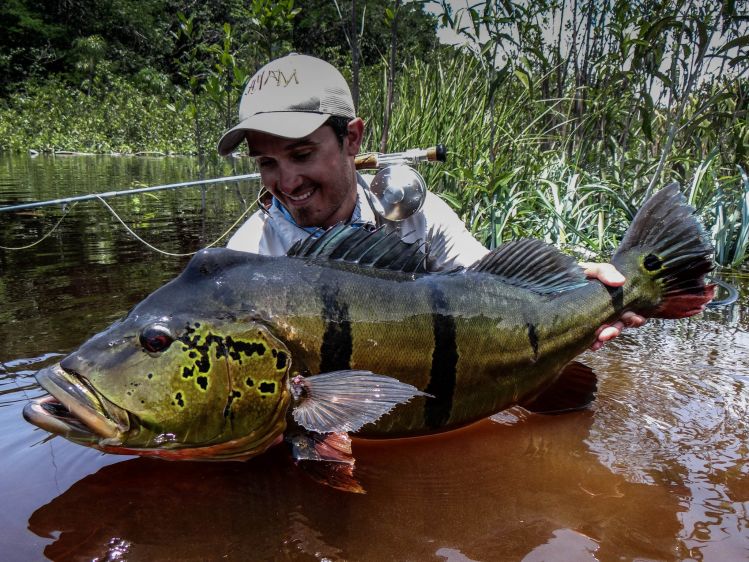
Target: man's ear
{"x": 355, "y": 136}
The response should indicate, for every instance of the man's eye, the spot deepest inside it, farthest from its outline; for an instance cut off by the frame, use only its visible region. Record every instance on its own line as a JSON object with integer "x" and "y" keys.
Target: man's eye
{"x": 265, "y": 163}
{"x": 302, "y": 156}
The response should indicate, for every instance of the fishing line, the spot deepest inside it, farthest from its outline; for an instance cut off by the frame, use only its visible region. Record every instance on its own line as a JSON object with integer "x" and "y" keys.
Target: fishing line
{"x": 154, "y": 248}
{"x": 47, "y": 235}
{"x": 733, "y": 294}
{"x": 129, "y": 230}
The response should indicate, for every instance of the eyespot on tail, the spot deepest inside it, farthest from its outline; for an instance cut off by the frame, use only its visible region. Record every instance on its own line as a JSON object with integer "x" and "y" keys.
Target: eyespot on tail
{"x": 672, "y": 249}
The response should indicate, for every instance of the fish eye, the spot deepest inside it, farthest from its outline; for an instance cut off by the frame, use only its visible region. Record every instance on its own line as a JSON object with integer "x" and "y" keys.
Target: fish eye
{"x": 156, "y": 338}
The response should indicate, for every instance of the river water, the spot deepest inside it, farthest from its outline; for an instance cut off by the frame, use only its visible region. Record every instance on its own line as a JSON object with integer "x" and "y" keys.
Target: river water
{"x": 655, "y": 470}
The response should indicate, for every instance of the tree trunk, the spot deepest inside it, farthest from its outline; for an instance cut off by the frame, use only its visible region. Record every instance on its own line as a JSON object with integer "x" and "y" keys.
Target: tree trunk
{"x": 354, "y": 58}
{"x": 391, "y": 79}
{"x": 681, "y": 103}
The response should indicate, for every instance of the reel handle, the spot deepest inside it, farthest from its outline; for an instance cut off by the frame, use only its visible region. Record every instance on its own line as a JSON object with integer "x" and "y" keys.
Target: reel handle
{"x": 375, "y": 160}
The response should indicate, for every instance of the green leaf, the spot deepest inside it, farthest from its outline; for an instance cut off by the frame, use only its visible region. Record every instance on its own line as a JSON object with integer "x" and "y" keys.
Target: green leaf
{"x": 737, "y": 60}
{"x": 524, "y": 78}
{"x": 646, "y": 114}
{"x": 738, "y": 42}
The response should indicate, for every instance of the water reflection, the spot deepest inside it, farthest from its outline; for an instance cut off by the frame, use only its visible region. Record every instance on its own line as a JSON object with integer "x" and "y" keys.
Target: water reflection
{"x": 491, "y": 492}
{"x": 683, "y": 422}
{"x": 56, "y": 287}
{"x": 655, "y": 470}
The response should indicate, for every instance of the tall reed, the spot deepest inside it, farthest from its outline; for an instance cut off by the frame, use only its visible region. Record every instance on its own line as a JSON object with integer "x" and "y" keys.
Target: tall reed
{"x": 537, "y": 178}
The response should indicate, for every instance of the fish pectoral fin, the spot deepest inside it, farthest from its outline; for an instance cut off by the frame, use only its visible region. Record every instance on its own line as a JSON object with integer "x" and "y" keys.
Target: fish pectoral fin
{"x": 326, "y": 458}
{"x": 343, "y": 401}
{"x": 574, "y": 389}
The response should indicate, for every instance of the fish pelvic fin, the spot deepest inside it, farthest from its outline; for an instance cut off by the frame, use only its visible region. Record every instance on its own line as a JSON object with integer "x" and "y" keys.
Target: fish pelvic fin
{"x": 326, "y": 458}
{"x": 666, "y": 245}
{"x": 334, "y": 474}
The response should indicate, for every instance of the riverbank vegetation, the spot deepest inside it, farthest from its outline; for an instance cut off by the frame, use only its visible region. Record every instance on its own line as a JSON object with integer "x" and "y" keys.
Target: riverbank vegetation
{"x": 560, "y": 116}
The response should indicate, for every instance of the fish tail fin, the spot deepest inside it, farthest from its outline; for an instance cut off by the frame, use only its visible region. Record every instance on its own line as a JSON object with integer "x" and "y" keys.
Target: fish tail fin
{"x": 666, "y": 247}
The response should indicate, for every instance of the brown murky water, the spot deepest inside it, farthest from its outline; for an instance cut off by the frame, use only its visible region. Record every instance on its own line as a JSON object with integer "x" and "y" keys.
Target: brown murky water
{"x": 656, "y": 470}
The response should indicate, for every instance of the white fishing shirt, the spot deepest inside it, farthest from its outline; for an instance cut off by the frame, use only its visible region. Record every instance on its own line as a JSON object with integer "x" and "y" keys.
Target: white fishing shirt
{"x": 272, "y": 232}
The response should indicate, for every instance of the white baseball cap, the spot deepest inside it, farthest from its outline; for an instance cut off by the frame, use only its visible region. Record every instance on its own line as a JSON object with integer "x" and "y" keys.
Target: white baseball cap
{"x": 290, "y": 97}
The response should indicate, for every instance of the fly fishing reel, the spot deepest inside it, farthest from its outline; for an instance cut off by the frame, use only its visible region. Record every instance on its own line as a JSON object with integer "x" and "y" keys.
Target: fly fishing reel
{"x": 397, "y": 190}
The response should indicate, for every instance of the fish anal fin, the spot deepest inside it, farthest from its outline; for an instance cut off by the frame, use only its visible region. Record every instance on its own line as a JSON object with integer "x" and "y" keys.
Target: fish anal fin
{"x": 574, "y": 389}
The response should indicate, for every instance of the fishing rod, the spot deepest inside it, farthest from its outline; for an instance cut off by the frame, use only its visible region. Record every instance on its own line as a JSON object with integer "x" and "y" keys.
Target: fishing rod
{"x": 376, "y": 160}
{"x": 367, "y": 161}
{"x": 109, "y": 194}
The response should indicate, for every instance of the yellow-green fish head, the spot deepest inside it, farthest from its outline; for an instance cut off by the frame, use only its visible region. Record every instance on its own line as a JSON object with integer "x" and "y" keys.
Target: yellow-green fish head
{"x": 171, "y": 388}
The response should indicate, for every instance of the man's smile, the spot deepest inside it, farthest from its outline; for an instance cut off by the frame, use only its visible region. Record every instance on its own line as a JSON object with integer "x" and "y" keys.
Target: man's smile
{"x": 300, "y": 198}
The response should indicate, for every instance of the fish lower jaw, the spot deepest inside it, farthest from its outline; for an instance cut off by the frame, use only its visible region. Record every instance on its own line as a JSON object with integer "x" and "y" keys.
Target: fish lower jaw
{"x": 51, "y": 415}
{"x": 73, "y": 411}
{"x": 240, "y": 449}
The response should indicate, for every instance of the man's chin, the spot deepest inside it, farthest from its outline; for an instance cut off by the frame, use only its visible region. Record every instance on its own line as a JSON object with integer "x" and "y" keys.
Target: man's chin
{"x": 305, "y": 217}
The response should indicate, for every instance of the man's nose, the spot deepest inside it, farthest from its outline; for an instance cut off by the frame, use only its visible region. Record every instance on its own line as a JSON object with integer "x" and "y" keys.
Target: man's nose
{"x": 289, "y": 179}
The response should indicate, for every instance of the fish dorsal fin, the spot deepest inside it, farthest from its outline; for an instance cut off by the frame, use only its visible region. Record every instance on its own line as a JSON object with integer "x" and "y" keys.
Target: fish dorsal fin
{"x": 364, "y": 247}
{"x": 532, "y": 264}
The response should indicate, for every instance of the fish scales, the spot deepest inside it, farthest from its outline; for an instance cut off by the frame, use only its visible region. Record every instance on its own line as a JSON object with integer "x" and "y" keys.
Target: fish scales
{"x": 347, "y": 334}
{"x": 496, "y": 355}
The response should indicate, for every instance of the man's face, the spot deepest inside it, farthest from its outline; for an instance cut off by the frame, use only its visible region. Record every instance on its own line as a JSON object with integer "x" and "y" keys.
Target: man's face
{"x": 313, "y": 177}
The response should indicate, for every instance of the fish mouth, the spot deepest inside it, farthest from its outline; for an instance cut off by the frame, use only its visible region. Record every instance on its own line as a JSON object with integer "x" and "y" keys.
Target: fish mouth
{"x": 75, "y": 410}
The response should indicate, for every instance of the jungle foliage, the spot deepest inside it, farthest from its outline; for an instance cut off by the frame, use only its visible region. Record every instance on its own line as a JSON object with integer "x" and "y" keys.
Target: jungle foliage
{"x": 561, "y": 116}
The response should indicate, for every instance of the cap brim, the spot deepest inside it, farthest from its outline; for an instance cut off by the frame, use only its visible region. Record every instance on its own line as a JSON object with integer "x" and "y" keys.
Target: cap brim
{"x": 286, "y": 124}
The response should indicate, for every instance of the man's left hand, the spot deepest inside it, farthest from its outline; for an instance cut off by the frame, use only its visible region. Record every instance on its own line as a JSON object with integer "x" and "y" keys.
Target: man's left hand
{"x": 609, "y": 275}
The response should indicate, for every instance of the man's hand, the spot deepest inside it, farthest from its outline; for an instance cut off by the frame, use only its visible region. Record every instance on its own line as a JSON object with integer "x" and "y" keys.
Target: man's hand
{"x": 608, "y": 275}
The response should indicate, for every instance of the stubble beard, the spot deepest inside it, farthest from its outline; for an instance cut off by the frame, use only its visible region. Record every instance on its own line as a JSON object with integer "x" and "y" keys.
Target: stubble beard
{"x": 310, "y": 217}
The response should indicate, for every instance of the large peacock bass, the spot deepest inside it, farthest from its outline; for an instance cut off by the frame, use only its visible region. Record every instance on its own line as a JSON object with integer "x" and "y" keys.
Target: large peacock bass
{"x": 348, "y": 333}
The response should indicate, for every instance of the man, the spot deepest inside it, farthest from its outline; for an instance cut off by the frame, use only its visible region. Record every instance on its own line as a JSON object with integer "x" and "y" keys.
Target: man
{"x": 298, "y": 119}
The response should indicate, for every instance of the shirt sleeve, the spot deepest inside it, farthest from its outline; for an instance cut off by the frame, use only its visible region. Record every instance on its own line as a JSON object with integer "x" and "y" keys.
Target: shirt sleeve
{"x": 256, "y": 236}
{"x": 450, "y": 243}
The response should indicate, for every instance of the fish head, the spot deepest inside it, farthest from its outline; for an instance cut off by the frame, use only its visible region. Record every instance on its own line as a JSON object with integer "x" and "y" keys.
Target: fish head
{"x": 170, "y": 387}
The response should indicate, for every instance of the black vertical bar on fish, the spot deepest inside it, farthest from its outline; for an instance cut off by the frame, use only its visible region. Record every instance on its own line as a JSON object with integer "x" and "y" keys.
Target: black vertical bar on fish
{"x": 617, "y": 297}
{"x": 533, "y": 339}
{"x": 442, "y": 377}
{"x": 337, "y": 342}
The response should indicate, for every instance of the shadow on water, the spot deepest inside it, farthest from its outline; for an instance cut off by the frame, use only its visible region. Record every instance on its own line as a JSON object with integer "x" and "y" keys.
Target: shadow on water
{"x": 487, "y": 493}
